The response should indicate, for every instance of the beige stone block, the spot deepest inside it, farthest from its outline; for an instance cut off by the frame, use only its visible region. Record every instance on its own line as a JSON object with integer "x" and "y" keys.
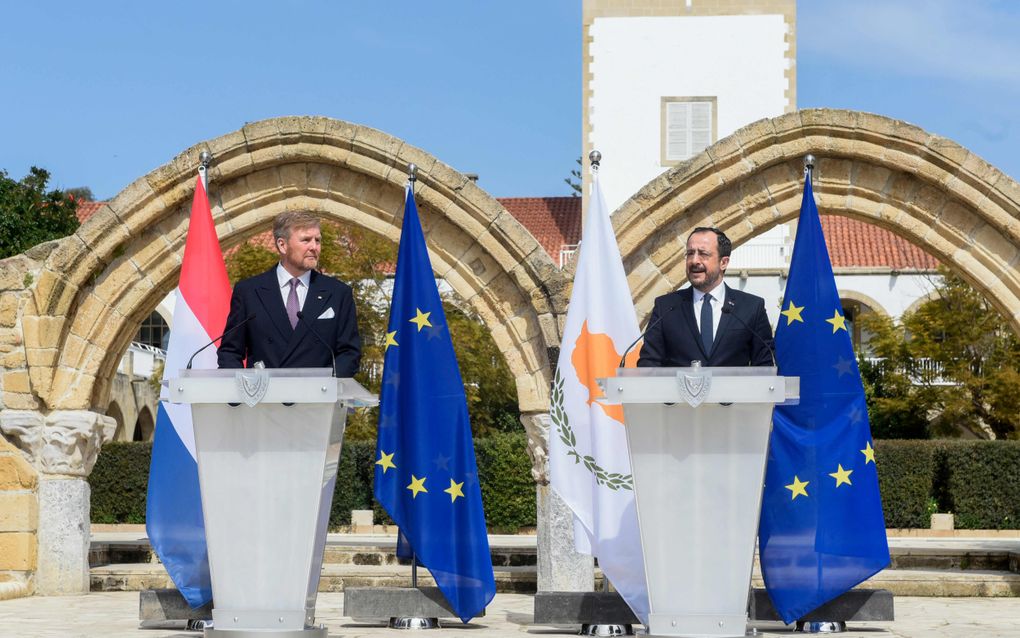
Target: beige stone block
{"x": 10, "y": 303}
{"x": 19, "y": 511}
{"x": 260, "y": 133}
{"x": 294, "y": 177}
{"x": 550, "y": 328}
{"x": 901, "y": 187}
{"x": 18, "y": 401}
{"x": 16, "y": 381}
{"x": 76, "y": 262}
{"x": 447, "y": 180}
{"x": 72, "y": 390}
{"x": 377, "y": 144}
{"x": 137, "y": 195}
{"x": 339, "y": 133}
{"x": 18, "y": 551}
{"x": 16, "y": 473}
{"x": 998, "y": 250}
{"x": 43, "y": 332}
{"x": 13, "y": 359}
{"x": 53, "y": 294}
{"x": 958, "y": 220}
{"x": 13, "y": 271}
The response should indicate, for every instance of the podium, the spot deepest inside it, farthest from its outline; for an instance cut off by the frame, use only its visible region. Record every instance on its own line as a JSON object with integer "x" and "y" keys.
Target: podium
{"x": 268, "y": 445}
{"x": 698, "y": 441}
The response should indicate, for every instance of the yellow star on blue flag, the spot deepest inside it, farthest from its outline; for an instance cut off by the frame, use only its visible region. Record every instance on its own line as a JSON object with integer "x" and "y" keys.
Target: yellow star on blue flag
{"x": 423, "y": 418}
{"x": 814, "y": 549}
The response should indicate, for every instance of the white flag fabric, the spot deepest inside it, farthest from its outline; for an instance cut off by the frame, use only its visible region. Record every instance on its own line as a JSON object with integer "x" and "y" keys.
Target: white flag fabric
{"x": 588, "y": 461}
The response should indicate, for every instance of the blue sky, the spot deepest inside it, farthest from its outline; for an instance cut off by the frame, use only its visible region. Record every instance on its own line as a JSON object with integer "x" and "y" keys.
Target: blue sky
{"x": 102, "y": 93}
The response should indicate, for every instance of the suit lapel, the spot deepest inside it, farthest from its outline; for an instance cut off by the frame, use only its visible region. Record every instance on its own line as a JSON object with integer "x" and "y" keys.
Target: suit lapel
{"x": 315, "y": 301}
{"x": 725, "y": 319}
{"x": 687, "y": 312}
{"x": 269, "y": 294}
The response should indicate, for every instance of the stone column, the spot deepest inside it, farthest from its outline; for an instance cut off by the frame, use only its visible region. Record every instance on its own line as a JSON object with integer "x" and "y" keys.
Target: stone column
{"x": 560, "y": 567}
{"x": 63, "y": 446}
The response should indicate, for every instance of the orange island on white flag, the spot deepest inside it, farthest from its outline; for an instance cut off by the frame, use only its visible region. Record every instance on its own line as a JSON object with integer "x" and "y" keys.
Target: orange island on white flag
{"x": 588, "y": 460}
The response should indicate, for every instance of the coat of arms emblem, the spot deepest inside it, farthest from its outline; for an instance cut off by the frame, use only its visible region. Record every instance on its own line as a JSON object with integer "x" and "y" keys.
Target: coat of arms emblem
{"x": 252, "y": 384}
{"x": 694, "y": 385}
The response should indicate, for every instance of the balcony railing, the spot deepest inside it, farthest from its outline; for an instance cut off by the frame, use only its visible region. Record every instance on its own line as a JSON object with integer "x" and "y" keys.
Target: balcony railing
{"x": 140, "y": 360}
{"x": 924, "y": 371}
{"x": 760, "y": 255}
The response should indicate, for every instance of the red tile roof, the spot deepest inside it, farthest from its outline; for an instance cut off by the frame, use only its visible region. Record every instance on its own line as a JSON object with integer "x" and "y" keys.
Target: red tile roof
{"x": 87, "y": 209}
{"x": 854, "y": 243}
{"x": 556, "y": 221}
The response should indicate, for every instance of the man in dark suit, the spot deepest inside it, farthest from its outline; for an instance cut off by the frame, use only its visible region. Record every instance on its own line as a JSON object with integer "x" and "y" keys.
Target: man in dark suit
{"x": 708, "y": 321}
{"x": 276, "y": 335}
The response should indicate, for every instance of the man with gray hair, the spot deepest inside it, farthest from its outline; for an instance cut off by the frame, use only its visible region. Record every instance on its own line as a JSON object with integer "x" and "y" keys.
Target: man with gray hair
{"x": 293, "y": 316}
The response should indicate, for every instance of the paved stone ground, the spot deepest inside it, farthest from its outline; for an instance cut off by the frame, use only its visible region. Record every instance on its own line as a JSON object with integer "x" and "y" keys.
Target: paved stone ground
{"x": 115, "y": 615}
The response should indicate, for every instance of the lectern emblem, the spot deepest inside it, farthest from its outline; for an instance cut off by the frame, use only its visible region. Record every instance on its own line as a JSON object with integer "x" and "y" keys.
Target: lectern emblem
{"x": 252, "y": 384}
{"x": 694, "y": 387}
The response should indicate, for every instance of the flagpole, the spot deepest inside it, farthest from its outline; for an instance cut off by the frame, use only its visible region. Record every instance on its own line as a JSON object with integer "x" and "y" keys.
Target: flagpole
{"x": 413, "y": 622}
{"x": 204, "y": 160}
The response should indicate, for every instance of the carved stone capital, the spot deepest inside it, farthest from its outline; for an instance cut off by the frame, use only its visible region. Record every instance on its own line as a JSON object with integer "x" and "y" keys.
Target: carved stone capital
{"x": 536, "y": 426}
{"x": 63, "y": 442}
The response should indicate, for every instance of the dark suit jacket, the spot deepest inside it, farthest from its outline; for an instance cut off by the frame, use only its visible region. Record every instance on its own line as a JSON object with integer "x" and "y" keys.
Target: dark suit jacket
{"x": 675, "y": 341}
{"x": 270, "y": 339}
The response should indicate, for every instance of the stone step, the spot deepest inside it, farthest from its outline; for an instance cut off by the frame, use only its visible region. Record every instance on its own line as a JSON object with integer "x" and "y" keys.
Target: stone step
{"x": 382, "y": 552}
{"x": 139, "y": 551}
{"x": 901, "y": 582}
{"x": 334, "y": 578}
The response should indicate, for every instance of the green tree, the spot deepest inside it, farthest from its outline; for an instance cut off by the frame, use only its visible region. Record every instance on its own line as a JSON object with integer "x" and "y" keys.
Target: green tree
{"x": 976, "y": 350}
{"x": 30, "y": 214}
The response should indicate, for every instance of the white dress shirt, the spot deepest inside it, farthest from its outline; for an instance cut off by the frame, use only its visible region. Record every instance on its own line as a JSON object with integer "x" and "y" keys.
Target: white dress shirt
{"x": 718, "y": 299}
{"x": 302, "y": 290}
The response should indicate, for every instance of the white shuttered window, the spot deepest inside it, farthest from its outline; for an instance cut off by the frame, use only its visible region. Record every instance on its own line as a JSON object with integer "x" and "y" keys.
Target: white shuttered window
{"x": 689, "y": 127}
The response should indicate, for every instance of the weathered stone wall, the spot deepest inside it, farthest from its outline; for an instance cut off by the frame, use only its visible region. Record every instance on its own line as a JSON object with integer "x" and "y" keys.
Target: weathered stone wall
{"x": 19, "y": 522}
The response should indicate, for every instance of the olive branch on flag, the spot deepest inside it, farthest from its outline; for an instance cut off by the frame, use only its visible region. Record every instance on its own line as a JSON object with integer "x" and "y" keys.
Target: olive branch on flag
{"x": 613, "y": 480}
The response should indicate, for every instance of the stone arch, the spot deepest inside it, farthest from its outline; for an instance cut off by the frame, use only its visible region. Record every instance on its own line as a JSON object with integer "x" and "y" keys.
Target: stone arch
{"x": 923, "y": 187}
{"x": 93, "y": 288}
{"x": 863, "y": 299}
{"x": 122, "y": 433}
{"x": 145, "y": 426}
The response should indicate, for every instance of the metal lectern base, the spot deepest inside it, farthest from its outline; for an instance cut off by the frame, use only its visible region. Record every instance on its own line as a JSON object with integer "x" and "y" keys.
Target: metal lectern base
{"x": 314, "y": 632}
{"x": 413, "y": 622}
{"x": 607, "y": 630}
{"x": 820, "y": 627}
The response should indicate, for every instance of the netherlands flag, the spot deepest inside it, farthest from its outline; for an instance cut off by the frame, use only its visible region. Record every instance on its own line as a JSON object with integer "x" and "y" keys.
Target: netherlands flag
{"x": 173, "y": 513}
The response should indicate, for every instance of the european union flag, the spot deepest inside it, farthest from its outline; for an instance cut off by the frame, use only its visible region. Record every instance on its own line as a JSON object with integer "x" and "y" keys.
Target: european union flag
{"x": 425, "y": 472}
{"x": 822, "y": 531}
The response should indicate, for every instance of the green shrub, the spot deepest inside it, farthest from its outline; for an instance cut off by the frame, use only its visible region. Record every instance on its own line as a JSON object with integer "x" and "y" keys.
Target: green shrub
{"x": 508, "y": 490}
{"x": 982, "y": 487}
{"x": 905, "y": 478}
{"x": 119, "y": 482}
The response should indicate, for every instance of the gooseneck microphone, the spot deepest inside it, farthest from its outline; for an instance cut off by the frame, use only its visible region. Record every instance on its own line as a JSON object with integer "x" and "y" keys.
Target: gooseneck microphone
{"x": 623, "y": 359}
{"x": 225, "y": 333}
{"x": 311, "y": 328}
{"x": 727, "y": 309}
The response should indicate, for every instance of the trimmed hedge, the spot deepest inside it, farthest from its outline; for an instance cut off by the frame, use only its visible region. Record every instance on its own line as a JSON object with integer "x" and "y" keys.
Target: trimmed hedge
{"x": 119, "y": 482}
{"x": 982, "y": 483}
{"x": 979, "y": 481}
{"x": 906, "y": 474}
{"x": 120, "y": 478}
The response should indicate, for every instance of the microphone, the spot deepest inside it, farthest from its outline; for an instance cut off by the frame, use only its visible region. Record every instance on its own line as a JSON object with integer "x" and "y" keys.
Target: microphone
{"x": 623, "y": 359}
{"x": 225, "y": 333}
{"x": 311, "y": 328}
{"x": 727, "y": 309}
